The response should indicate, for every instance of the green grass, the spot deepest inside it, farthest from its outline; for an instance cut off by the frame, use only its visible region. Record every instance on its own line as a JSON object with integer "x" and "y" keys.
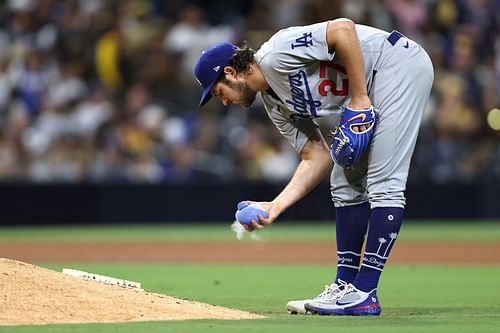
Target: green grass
{"x": 411, "y": 230}
{"x": 414, "y": 298}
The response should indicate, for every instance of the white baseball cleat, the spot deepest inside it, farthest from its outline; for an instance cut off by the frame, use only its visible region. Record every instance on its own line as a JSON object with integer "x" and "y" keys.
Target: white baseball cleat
{"x": 330, "y": 293}
{"x": 351, "y": 302}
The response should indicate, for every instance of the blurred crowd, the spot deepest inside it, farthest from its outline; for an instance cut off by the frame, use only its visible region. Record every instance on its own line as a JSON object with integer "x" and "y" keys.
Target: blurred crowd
{"x": 103, "y": 90}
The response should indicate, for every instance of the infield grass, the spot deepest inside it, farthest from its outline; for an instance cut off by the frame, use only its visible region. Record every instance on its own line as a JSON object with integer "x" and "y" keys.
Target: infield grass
{"x": 414, "y": 298}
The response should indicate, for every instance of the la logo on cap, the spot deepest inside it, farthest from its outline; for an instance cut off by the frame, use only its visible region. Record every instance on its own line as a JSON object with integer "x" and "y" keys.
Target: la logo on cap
{"x": 216, "y": 68}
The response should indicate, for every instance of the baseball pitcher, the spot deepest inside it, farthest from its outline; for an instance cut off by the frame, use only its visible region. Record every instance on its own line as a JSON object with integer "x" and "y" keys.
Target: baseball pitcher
{"x": 378, "y": 84}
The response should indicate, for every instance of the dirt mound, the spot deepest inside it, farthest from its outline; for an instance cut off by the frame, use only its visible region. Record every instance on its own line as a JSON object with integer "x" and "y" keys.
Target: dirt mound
{"x": 34, "y": 295}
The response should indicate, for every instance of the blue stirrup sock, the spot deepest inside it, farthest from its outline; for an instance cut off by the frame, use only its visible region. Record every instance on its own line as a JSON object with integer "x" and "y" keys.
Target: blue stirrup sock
{"x": 351, "y": 225}
{"x": 384, "y": 227}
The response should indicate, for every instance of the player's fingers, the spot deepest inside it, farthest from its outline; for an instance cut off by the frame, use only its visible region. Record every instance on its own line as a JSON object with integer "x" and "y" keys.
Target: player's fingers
{"x": 257, "y": 226}
{"x": 359, "y": 128}
{"x": 263, "y": 220}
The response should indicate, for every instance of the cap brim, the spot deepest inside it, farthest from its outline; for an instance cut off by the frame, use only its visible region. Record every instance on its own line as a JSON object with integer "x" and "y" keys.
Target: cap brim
{"x": 207, "y": 94}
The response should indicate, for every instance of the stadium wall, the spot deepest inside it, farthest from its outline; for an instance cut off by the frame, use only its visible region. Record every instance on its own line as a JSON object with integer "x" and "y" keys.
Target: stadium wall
{"x": 24, "y": 204}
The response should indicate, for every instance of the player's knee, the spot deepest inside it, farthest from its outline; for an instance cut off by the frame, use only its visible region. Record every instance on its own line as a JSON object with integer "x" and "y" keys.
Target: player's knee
{"x": 343, "y": 199}
{"x": 387, "y": 199}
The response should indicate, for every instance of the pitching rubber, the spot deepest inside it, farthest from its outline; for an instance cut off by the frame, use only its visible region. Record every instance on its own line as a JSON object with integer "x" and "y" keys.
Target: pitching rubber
{"x": 103, "y": 279}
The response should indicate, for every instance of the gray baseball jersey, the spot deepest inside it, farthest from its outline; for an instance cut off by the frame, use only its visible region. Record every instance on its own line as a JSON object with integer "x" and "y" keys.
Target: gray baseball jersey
{"x": 308, "y": 81}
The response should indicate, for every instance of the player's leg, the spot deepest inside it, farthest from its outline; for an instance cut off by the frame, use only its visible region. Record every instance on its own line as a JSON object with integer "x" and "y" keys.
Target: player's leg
{"x": 389, "y": 162}
{"x": 351, "y": 217}
{"x": 402, "y": 104}
{"x": 348, "y": 189}
{"x": 352, "y": 210}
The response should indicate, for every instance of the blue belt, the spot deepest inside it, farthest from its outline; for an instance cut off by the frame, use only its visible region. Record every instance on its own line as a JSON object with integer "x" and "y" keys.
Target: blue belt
{"x": 394, "y": 36}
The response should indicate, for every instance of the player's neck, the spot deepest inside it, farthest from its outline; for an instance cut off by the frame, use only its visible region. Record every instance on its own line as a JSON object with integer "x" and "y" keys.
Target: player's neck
{"x": 256, "y": 78}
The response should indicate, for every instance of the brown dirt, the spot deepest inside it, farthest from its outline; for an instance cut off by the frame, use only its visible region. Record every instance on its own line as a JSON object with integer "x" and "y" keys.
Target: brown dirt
{"x": 34, "y": 295}
{"x": 485, "y": 252}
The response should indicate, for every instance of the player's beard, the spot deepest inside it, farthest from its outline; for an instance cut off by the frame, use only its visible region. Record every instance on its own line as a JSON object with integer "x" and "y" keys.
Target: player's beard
{"x": 248, "y": 95}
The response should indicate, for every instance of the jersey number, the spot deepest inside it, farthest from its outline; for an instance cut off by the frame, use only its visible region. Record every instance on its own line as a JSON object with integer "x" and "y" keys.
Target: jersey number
{"x": 328, "y": 85}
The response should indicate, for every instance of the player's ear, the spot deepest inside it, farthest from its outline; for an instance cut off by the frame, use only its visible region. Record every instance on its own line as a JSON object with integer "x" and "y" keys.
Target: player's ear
{"x": 229, "y": 72}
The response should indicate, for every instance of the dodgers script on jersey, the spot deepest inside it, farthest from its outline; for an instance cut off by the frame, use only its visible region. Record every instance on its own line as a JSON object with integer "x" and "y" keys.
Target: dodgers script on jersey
{"x": 306, "y": 79}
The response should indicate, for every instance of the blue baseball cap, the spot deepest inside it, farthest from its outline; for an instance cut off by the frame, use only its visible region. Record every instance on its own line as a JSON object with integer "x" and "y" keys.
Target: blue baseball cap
{"x": 210, "y": 66}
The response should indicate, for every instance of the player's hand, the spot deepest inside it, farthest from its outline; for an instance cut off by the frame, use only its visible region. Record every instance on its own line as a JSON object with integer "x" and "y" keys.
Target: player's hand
{"x": 352, "y": 137}
{"x": 272, "y": 212}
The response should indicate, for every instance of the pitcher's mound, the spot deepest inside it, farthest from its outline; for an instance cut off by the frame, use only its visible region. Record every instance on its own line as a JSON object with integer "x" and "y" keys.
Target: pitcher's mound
{"x": 34, "y": 295}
